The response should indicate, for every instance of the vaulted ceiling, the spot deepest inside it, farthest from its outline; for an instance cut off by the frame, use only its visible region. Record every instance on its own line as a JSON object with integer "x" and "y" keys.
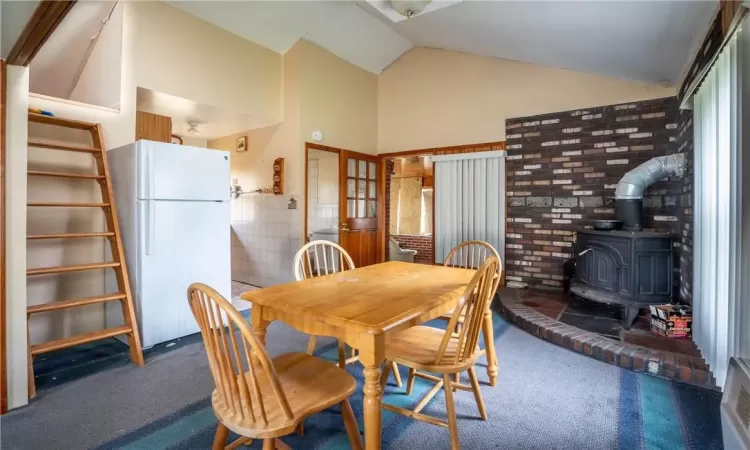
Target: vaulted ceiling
{"x": 648, "y": 41}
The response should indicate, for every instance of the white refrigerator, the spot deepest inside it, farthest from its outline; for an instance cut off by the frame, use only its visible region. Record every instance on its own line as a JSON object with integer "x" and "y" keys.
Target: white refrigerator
{"x": 173, "y": 206}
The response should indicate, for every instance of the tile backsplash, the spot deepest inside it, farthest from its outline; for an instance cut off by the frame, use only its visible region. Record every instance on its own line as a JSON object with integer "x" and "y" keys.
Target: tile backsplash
{"x": 265, "y": 237}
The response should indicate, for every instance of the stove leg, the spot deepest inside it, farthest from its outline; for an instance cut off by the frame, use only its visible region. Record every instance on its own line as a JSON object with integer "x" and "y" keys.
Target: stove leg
{"x": 629, "y": 313}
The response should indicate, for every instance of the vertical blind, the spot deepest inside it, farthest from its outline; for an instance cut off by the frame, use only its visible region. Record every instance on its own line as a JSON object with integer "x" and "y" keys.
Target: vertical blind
{"x": 717, "y": 307}
{"x": 469, "y": 200}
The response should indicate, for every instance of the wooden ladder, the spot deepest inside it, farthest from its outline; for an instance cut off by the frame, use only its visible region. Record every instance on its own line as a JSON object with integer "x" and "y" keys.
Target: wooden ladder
{"x": 112, "y": 234}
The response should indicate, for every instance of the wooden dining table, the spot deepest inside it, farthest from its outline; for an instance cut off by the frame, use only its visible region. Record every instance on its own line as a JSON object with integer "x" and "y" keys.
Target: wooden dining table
{"x": 362, "y": 307}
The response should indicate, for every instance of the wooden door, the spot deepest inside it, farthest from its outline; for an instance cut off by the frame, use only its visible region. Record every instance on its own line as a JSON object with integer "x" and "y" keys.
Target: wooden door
{"x": 358, "y": 206}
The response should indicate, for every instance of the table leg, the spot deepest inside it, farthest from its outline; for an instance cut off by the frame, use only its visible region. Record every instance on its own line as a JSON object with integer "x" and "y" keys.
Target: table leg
{"x": 371, "y": 355}
{"x": 489, "y": 345}
{"x": 260, "y": 325}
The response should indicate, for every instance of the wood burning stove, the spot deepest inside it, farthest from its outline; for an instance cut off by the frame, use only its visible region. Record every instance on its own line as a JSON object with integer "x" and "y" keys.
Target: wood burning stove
{"x": 630, "y": 268}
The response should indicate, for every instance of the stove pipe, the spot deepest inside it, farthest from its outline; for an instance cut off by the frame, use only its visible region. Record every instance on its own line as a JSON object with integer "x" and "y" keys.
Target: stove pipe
{"x": 629, "y": 192}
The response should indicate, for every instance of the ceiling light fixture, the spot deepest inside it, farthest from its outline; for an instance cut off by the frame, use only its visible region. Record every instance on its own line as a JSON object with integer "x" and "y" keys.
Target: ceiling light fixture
{"x": 409, "y": 8}
{"x": 193, "y": 127}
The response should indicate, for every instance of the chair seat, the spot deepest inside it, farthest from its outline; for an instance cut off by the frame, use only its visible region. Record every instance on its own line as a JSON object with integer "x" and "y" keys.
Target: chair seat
{"x": 311, "y": 385}
{"x": 417, "y": 347}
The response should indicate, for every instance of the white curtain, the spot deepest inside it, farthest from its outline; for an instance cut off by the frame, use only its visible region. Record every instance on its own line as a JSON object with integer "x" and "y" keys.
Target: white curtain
{"x": 718, "y": 329}
{"x": 469, "y": 200}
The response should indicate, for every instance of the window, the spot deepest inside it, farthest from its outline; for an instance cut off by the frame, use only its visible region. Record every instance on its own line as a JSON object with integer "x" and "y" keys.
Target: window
{"x": 410, "y": 199}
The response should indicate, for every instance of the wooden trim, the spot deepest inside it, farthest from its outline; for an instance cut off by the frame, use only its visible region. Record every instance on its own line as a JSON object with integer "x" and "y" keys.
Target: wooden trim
{"x": 311, "y": 146}
{"x": 3, "y": 318}
{"x": 500, "y": 145}
{"x": 42, "y": 23}
{"x": 382, "y": 201}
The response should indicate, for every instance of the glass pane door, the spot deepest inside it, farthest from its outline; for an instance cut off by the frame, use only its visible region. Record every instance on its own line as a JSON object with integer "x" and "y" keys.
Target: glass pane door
{"x": 361, "y": 192}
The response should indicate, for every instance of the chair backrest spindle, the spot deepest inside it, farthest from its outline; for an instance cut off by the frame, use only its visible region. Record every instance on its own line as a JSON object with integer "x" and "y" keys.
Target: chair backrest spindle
{"x": 303, "y": 268}
{"x": 238, "y": 375}
{"x": 471, "y": 255}
{"x": 471, "y": 306}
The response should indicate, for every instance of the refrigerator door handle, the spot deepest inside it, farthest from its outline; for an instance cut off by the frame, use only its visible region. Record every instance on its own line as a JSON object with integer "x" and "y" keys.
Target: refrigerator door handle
{"x": 149, "y": 174}
{"x": 150, "y": 226}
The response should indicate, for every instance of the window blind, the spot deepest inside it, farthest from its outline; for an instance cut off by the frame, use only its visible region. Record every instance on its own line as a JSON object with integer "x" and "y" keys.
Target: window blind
{"x": 717, "y": 282}
{"x": 469, "y": 200}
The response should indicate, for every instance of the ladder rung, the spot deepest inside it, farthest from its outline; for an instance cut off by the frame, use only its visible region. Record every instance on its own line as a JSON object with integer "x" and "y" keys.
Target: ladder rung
{"x": 63, "y": 304}
{"x": 50, "y": 346}
{"x": 73, "y": 268}
{"x": 69, "y": 204}
{"x": 67, "y": 148}
{"x": 60, "y": 122}
{"x": 84, "y": 176}
{"x": 70, "y": 235}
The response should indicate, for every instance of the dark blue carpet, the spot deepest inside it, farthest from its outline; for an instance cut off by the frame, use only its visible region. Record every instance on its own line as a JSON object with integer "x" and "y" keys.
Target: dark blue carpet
{"x": 547, "y": 397}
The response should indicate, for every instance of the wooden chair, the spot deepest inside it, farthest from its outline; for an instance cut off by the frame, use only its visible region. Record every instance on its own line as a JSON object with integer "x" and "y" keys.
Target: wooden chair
{"x": 471, "y": 255}
{"x": 445, "y": 352}
{"x": 318, "y": 258}
{"x": 250, "y": 397}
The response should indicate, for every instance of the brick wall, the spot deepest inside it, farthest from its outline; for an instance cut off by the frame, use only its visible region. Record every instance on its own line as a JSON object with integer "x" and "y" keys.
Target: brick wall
{"x": 422, "y": 244}
{"x": 562, "y": 170}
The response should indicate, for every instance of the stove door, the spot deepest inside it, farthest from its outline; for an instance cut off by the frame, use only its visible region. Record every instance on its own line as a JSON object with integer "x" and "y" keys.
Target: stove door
{"x": 599, "y": 267}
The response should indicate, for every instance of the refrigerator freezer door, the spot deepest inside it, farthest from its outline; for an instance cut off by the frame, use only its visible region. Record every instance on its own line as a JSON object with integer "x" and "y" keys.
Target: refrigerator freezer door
{"x": 178, "y": 172}
{"x": 179, "y": 243}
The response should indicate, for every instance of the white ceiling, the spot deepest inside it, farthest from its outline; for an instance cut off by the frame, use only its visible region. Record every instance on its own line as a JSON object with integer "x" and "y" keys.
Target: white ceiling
{"x": 212, "y": 122}
{"x": 641, "y": 40}
{"x": 341, "y": 27}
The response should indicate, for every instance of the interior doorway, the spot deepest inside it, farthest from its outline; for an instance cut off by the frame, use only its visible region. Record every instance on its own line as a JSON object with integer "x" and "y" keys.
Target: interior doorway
{"x": 409, "y": 206}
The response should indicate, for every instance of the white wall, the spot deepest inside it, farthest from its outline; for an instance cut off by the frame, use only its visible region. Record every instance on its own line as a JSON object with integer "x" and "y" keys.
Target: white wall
{"x": 99, "y": 83}
{"x": 15, "y": 238}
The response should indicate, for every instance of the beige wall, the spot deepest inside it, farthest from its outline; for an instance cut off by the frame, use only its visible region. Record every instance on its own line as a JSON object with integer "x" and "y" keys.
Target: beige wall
{"x": 45, "y": 253}
{"x": 194, "y": 141}
{"x": 320, "y": 92}
{"x": 182, "y": 55}
{"x": 254, "y": 168}
{"x": 339, "y": 99}
{"x": 433, "y": 98}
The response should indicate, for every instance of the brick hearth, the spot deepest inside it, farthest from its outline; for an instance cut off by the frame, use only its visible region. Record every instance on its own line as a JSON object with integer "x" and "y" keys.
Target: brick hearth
{"x": 536, "y": 312}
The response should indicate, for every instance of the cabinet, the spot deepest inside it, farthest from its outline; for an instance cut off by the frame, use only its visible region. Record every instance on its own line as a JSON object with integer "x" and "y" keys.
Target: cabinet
{"x": 153, "y": 127}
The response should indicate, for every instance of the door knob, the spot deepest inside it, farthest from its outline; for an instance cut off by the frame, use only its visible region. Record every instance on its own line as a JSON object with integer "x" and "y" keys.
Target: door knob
{"x": 344, "y": 226}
